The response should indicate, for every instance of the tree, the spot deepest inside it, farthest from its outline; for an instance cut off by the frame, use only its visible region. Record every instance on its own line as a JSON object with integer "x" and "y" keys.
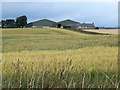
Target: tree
{"x": 3, "y": 23}
{"x": 21, "y": 21}
{"x": 96, "y": 27}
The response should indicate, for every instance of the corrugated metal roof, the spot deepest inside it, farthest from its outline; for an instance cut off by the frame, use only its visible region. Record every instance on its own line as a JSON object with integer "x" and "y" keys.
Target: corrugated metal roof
{"x": 68, "y": 22}
{"x": 50, "y": 23}
{"x": 44, "y": 22}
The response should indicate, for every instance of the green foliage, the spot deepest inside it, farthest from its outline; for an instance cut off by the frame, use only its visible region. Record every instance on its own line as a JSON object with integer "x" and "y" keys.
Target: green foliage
{"x": 97, "y": 28}
{"x": 21, "y": 21}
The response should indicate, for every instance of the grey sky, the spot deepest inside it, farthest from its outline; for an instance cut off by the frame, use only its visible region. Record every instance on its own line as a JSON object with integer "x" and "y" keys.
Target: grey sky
{"x": 101, "y": 13}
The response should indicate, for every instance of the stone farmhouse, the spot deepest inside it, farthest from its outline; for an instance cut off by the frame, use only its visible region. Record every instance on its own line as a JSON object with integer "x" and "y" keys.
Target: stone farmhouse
{"x": 45, "y": 23}
{"x": 8, "y": 23}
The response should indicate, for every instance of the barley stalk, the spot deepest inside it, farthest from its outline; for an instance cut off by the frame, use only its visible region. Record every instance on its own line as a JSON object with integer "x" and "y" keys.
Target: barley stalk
{"x": 109, "y": 79}
{"x": 83, "y": 80}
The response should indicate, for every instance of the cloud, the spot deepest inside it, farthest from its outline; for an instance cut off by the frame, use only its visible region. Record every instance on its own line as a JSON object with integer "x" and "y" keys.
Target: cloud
{"x": 103, "y": 14}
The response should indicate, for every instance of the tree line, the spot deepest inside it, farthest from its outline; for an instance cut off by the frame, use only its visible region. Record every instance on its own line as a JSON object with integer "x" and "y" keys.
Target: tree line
{"x": 20, "y": 22}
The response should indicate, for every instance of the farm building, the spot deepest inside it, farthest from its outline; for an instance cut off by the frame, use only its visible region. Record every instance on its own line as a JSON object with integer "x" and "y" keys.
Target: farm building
{"x": 68, "y": 23}
{"x": 44, "y": 23}
{"x": 73, "y": 24}
{"x": 8, "y": 23}
{"x": 86, "y": 25}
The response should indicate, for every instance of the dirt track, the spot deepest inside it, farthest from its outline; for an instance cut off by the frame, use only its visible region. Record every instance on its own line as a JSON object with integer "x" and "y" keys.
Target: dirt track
{"x": 104, "y": 31}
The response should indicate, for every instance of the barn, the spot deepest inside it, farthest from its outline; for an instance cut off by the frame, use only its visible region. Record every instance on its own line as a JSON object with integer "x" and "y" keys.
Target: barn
{"x": 44, "y": 23}
{"x": 68, "y": 23}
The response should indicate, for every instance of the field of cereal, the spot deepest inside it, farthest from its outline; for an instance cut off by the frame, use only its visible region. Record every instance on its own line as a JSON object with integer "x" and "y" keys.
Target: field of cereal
{"x": 58, "y": 58}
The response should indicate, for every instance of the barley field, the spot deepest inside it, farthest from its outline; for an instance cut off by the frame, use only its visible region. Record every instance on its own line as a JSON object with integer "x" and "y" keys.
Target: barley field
{"x": 58, "y": 58}
{"x": 104, "y": 31}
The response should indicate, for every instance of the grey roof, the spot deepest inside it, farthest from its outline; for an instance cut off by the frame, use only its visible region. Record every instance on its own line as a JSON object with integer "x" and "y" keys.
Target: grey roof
{"x": 68, "y": 22}
{"x": 44, "y": 22}
{"x": 30, "y": 24}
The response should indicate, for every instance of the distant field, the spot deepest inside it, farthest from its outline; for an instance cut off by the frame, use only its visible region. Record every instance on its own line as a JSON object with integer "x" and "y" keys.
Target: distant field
{"x": 104, "y": 31}
{"x": 58, "y": 58}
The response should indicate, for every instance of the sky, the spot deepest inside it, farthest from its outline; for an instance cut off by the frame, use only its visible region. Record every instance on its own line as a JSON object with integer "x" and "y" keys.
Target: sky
{"x": 103, "y": 14}
{"x": 59, "y": 0}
